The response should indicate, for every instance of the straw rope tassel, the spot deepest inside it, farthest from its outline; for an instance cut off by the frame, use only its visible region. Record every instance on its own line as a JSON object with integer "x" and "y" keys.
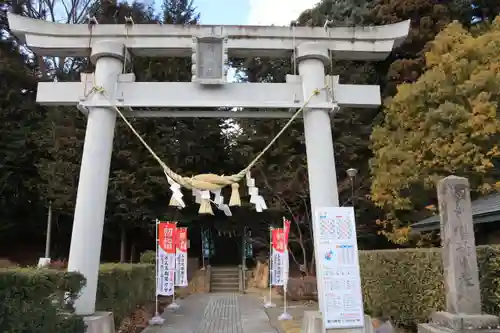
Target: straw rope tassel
{"x": 173, "y": 202}
{"x": 235, "y": 195}
{"x": 205, "y": 207}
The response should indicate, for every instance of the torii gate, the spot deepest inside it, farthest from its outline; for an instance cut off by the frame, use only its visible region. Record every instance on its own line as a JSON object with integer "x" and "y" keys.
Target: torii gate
{"x": 209, "y": 47}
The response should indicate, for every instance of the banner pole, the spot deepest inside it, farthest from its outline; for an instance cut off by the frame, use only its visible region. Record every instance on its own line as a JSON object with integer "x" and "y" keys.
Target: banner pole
{"x": 157, "y": 242}
{"x": 269, "y": 303}
{"x": 173, "y": 305}
{"x": 285, "y": 315}
{"x": 157, "y": 319}
{"x": 202, "y": 248}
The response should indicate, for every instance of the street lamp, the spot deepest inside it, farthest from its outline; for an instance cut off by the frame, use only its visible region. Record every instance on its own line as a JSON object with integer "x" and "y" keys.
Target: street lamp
{"x": 351, "y": 172}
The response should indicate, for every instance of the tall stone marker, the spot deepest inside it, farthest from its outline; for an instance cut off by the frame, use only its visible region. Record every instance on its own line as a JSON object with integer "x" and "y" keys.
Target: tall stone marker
{"x": 461, "y": 276}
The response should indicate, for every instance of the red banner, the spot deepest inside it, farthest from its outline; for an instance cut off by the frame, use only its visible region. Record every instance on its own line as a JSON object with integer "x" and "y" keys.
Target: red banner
{"x": 286, "y": 227}
{"x": 182, "y": 239}
{"x": 181, "y": 245}
{"x": 278, "y": 240}
{"x": 166, "y": 236}
{"x": 278, "y": 254}
{"x": 166, "y": 258}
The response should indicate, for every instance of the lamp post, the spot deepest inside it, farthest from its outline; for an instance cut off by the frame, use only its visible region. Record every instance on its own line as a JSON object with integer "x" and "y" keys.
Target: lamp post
{"x": 351, "y": 172}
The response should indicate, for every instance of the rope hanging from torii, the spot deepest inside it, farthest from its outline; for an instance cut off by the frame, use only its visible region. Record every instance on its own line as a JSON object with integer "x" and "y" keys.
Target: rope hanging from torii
{"x": 203, "y": 184}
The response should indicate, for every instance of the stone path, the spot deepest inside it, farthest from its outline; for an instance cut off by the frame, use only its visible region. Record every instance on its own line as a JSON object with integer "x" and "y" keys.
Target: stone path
{"x": 221, "y": 313}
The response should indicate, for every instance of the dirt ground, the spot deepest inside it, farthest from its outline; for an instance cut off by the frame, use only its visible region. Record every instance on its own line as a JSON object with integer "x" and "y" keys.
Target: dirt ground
{"x": 294, "y": 308}
{"x": 139, "y": 319}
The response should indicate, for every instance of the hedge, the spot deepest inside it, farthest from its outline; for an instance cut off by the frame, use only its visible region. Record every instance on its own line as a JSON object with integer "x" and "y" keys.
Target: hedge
{"x": 33, "y": 300}
{"x": 407, "y": 285}
{"x": 123, "y": 287}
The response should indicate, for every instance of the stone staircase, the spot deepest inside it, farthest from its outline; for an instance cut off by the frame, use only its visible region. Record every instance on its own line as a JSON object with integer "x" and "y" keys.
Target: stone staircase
{"x": 225, "y": 279}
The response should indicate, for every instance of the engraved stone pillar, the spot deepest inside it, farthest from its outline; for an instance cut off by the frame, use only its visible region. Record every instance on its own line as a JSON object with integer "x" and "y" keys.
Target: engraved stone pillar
{"x": 461, "y": 277}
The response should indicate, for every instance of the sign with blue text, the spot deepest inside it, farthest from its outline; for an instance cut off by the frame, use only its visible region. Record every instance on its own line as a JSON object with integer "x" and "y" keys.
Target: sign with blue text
{"x": 342, "y": 305}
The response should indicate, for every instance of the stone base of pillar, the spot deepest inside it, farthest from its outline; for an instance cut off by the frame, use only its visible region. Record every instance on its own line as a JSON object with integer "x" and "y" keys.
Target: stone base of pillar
{"x": 43, "y": 262}
{"x": 100, "y": 322}
{"x": 445, "y": 322}
{"x": 312, "y": 322}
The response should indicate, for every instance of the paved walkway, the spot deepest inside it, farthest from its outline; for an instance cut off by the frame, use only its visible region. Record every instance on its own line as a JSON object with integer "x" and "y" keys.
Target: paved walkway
{"x": 216, "y": 313}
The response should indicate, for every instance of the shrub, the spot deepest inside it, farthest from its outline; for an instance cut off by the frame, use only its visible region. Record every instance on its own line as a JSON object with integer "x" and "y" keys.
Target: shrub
{"x": 33, "y": 301}
{"x": 148, "y": 257}
{"x": 123, "y": 287}
{"x": 407, "y": 285}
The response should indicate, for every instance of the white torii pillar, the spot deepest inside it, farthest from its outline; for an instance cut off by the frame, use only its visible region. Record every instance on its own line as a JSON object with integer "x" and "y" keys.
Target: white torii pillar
{"x": 86, "y": 240}
{"x": 312, "y": 58}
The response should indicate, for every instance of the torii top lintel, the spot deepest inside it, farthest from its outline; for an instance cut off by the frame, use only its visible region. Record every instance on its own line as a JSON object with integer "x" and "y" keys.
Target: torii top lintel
{"x": 355, "y": 43}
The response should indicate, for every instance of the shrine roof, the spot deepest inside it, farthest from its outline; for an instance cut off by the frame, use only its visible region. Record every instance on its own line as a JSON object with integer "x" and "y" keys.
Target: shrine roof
{"x": 485, "y": 209}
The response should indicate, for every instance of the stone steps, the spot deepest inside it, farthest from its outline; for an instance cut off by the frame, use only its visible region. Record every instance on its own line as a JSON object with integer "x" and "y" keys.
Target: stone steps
{"x": 225, "y": 279}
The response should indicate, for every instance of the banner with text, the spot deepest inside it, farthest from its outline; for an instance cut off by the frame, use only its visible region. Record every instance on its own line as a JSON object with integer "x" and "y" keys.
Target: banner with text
{"x": 278, "y": 257}
{"x": 181, "y": 258}
{"x": 165, "y": 260}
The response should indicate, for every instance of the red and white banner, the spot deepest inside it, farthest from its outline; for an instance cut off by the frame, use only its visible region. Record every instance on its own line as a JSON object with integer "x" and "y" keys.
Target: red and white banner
{"x": 278, "y": 254}
{"x": 181, "y": 258}
{"x": 166, "y": 259}
{"x": 286, "y": 230}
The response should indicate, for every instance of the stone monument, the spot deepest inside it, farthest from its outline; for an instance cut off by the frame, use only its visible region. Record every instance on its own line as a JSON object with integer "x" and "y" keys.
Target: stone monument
{"x": 461, "y": 277}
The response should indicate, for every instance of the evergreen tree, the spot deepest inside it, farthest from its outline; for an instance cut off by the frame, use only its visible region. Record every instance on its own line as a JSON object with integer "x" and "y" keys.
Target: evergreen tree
{"x": 19, "y": 117}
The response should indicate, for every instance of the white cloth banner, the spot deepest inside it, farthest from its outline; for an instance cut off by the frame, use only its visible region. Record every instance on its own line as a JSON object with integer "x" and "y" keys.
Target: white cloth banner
{"x": 278, "y": 258}
{"x": 165, "y": 260}
{"x": 181, "y": 258}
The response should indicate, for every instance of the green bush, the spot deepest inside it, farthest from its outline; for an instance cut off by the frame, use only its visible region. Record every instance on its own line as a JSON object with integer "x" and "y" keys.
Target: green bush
{"x": 123, "y": 287}
{"x": 148, "y": 257}
{"x": 33, "y": 301}
{"x": 407, "y": 285}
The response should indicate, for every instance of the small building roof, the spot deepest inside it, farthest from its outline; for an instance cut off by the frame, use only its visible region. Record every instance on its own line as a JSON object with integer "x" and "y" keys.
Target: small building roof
{"x": 485, "y": 209}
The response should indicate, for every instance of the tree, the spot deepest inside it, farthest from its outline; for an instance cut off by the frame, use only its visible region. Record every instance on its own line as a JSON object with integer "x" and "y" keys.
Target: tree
{"x": 19, "y": 116}
{"x": 404, "y": 65}
{"x": 444, "y": 123}
{"x": 338, "y": 12}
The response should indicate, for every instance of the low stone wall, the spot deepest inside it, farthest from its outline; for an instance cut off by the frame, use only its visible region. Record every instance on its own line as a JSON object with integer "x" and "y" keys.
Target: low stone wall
{"x": 200, "y": 281}
{"x": 259, "y": 276}
{"x": 301, "y": 289}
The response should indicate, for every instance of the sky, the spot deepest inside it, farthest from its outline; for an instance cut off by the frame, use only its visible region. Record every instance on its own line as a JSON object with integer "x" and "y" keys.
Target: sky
{"x": 251, "y": 12}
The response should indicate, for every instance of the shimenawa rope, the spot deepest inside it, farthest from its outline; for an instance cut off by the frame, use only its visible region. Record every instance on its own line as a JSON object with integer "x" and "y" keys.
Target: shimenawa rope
{"x": 204, "y": 182}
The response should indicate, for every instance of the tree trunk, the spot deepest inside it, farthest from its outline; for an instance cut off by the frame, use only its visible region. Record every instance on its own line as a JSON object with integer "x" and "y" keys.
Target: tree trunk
{"x": 312, "y": 266}
{"x": 132, "y": 253}
{"x": 123, "y": 248}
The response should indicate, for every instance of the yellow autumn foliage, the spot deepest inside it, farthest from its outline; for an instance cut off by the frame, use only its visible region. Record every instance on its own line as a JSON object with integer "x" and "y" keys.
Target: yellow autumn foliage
{"x": 444, "y": 123}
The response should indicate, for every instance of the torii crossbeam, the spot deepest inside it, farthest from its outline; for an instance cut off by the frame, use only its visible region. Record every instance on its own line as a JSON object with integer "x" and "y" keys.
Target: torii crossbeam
{"x": 209, "y": 47}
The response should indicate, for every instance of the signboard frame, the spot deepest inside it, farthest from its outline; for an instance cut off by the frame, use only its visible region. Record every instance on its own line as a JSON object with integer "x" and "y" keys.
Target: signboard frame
{"x": 338, "y": 268}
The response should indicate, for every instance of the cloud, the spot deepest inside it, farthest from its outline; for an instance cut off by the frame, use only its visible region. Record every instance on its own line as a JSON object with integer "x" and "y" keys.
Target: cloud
{"x": 277, "y": 12}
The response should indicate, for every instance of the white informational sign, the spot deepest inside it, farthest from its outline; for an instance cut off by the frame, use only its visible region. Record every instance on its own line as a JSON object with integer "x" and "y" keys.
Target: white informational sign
{"x": 335, "y": 229}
